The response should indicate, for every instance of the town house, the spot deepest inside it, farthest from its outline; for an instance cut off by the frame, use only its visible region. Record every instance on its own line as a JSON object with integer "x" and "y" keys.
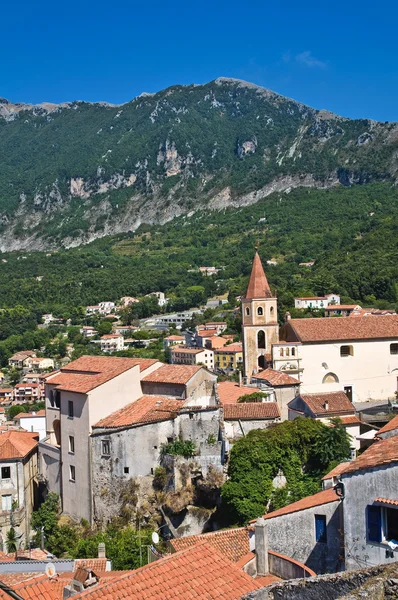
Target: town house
{"x": 181, "y": 355}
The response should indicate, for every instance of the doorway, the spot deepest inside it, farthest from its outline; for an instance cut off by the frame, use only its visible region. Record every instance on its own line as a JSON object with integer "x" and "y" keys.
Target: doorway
{"x": 348, "y": 392}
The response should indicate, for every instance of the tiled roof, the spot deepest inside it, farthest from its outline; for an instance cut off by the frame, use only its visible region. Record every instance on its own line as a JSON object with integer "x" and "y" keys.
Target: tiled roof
{"x": 96, "y": 564}
{"x": 350, "y": 420}
{"x": 200, "y": 573}
{"x": 336, "y": 471}
{"x": 247, "y": 411}
{"x": 343, "y": 329}
{"x": 311, "y": 298}
{"x": 24, "y": 415}
{"x": 393, "y": 424}
{"x": 324, "y": 497}
{"x": 17, "y": 444}
{"x": 387, "y": 501}
{"x": 6, "y": 390}
{"x": 342, "y": 307}
{"x": 179, "y": 374}
{"x": 89, "y": 372}
{"x": 258, "y": 285}
{"x": 232, "y": 543}
{"x": 35, "y": 589}
{"x": 147, "y": 409}
{"x": 380, "y": 453}
{"x": 217, "y": 342}
{"x": 276, "y": 378}
{"x": 23, "y": 354}
{"x": 231, "y": 348}
{"x": 175, "y": 338}
{"x": 207, "y": 332}
{"x": 26, "y": 385}
{"x": 229, "y": 392}
{"x": 338, "y": 403}
{"x": 187, "y": 350}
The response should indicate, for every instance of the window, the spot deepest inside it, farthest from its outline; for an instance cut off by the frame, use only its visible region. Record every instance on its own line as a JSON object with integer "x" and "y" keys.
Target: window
{"x": 5, "y": 472}
{"x": 57, "y": 398}
{"x": 247, "y": 312}
{"x": 281, "y": 352}
{"x": 271, "y": 310}
{"x": 260, "y": 311}
{"x": 6, "y": 502}
{"x": 382, "y": 523}
{"x": 391, "y": 521}
{"x": 72, "y": 473}
{"x": 330, "y": 378}
{"x": 320, "y": 529}
{"x": 261, "y": 339}
{"x": 70, "y": 409}
{"x": 293, "y": 351}
{"x": 346, "y": 351}
{"x": 106, "y": 447}
{"x": 126, "y": 470}
{"x": 287, "y": 351}
{"x": 71, "y": 444}
{"x": 374, "y": 523}
{"x": 51, "y": 397}
{"x": 393, "y": 348}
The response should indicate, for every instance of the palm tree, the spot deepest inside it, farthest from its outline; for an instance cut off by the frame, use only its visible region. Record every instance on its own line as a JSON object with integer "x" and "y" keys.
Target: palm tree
{"x": 12, "y": 540}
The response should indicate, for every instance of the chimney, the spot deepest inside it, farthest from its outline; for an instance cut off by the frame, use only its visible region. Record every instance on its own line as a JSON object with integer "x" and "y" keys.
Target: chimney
{"x": 261, "y": 541}
{"x": 288, "y": 316}
{"x": 101, "y": 550}
{"x": 326, "y": 405}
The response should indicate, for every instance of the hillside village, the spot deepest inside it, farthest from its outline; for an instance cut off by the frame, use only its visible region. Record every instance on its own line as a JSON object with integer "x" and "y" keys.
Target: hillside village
{"x": 112, "y": 434}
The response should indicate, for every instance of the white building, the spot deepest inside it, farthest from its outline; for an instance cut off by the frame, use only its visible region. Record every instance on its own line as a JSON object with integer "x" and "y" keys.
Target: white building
{"x": 112, "y": 342}
{"x": 106, "y": 308}
{"x": 192, "y": 356}
{"x": 161, "y": 298}
{"x": 358, "y": 356}
{"x": 317, "y": 301}
{"x": 34, "y": 422}
{"x": 87, "y": 331}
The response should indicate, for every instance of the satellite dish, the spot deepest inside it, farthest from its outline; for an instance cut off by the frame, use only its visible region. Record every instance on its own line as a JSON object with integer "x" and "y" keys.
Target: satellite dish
{"x": 155, "y": 537}
{"x": 50, "y": 570}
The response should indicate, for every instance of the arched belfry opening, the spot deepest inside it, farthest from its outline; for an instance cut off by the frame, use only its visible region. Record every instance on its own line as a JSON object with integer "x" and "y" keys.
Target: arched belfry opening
{"x": 261, "y": 340}
{"x": 261, "y": 362}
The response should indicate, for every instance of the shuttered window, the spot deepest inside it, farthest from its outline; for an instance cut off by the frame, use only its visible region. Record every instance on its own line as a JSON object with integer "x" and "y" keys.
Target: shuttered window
{"x": 374, "y": 523}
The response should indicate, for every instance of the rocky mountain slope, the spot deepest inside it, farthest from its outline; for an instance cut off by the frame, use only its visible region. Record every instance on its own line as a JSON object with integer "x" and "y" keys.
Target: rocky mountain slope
{"x": 73, "y": 172}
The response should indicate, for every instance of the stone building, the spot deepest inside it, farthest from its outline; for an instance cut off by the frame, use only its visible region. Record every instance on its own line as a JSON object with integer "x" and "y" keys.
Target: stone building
{"x": 192, "y": 383}
{"x": 282, "y": 386}
{"x": 259, "y": 321}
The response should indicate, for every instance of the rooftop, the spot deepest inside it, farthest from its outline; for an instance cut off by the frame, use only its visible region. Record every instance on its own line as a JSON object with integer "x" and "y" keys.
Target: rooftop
{"x": 186, "y": 350}
{"x": 232, "y": 348}
{"x": 89, "y": 372}
{"x": 232, "y": 543}
{"x": 258, "y": 285}
{"x": 342, "y": 307}
{"x": 199, "y": 572}
{"x": 324, "y": 497}
{"x": 342, "y": 329}
{"x": 337, "y": 470}
{"x": 276, "y": 378}
{"x": 337, "y": 402}
{"x": 175, "y": 338}
{"x": 147, "y": 409}
{"x": 390, "y": 426}
{"x": 17, "y": 444}
{"x": 179, "y": 374}
{"x": 207, "y": 333}
{"x": 32, "y": 415}
{"x": 382, "y": 452}
{"x": 248, "y": 411}
{"x": 229, "y": 392}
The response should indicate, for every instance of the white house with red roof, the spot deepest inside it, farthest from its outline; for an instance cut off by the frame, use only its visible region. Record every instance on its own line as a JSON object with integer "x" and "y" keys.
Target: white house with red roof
{"x": 317, "y": 302}
{"x": 112, "y": 342}
{"x": 32, "y": 422}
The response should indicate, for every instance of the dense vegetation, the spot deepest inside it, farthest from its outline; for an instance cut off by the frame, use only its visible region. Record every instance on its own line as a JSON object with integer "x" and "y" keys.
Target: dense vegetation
{"x": 303, "y": 449}
{"x": 174, "y": 151}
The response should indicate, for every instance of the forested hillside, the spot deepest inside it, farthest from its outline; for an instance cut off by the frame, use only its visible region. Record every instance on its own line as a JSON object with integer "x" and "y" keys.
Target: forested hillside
{"x": 349, "y": 232}
{"x": 78, "y": 171}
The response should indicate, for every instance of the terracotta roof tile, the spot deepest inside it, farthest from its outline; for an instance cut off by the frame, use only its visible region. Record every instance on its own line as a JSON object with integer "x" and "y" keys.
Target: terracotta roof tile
{"x": 175, "y": 338}
{"x": 229, "y": 392}
{"x": 24, "y": 415}
{"x": 324, "y": 497}
{"x": 336, "y": 471}
{"x": 350, "y": 420}
{"x": 342, "y": 329}
{"x": 231, "y": 348}
{"x": 200, "y": 573}
{"x": 232, "y": 543}
{"x": 88, "y": 372}
{"x": 276, "y": 378}
{"x": 390, "y": 426}
{"x": 381, "y": 452}
{"x": 147, "y": 409}
{"x": 96, "y": 564}
{"x": 207, "y": 333}
{"x": 247, "y": 411}
{"x": 258, "y": 285}
{"x": 338, "y": 403}
{"x": 179, "y": 374}
{"x": 342, "y": 307}
{"x": 35, "y": 589}
{"x": 387, "y": 501}
{"x": 17, "y": 444}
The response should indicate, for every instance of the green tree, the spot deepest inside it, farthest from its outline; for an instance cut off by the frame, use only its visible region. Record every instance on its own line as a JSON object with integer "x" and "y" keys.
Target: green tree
{"x": 46, "y": 517}
{"x": 14, "y": 410}
{"x": 12, "y": 540}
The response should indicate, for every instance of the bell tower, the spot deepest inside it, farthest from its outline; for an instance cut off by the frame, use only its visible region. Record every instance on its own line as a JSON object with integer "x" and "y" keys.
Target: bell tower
{"x": 259, "y": 321}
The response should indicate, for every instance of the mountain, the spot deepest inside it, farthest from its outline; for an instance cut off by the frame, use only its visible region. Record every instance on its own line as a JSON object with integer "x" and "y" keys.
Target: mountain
{"x": 77, "y": 171}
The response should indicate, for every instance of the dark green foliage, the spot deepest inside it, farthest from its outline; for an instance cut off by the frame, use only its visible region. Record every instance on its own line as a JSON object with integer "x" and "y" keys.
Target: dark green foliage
{"x": 11, "y": 540}
{"x": 254, "y": 397}
{"x": 179, "y": 447}
{"x": 293, "y": 447}
{"x": 46, "y": 517}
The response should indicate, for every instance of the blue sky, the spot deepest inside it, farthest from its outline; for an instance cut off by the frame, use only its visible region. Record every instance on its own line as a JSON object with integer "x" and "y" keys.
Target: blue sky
{"x": 339, "y": 55}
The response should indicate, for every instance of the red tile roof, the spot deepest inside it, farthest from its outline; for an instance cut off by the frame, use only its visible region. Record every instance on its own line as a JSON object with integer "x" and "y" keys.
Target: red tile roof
{"x": 217, "y": 342}
{"x": 207, "y": 333}
{"x": 342, "y": 329}
{"x": 24, "y": 415}
{"x": 387, "y": 501}
{"x": 350, "y": 420}
{"x": 27, "y": 385}
{"x": 258, "y": 285}
{"x": 179, "y": 374}
{"x": 35, "y": 589}
{"x": 232, "y": 543}
{"x": 96, "y": 564}
{"x": 382, "y": 452}
{"x": 342, "y": 307}
{"x": 337, "y": 470}
{"x": 324, "y": 497}
{"x": 147, "y": 409}
{"x": 200, "y": 573}
{"x": 276, "y": 378}
{"x": 390, "y": 426}
{"x": 248, "y": 411}
{"x": 229, "y": 392}
{"x": 231, "y": 348}
{"x": 338, "y": 403}
{"x": 175, "y": 338}
{"x": 17, "y": 444}
{"x": 89, "y": 372}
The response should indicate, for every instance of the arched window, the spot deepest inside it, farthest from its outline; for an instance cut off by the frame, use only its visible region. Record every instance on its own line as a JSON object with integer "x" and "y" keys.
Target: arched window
{"x": 57, "y": 431}
{"x": 261, "y": 339}
{"x": 261, "y": 362}
{"x": 281, "y": 352}
{"x": 330, "y": 378}
{"x": 260, "y": 311}
{"x": 287, "y": 351}
{"x": 247, "y": 311}
{"x": 271, "y": 310}
{"x": 293, "y": 351}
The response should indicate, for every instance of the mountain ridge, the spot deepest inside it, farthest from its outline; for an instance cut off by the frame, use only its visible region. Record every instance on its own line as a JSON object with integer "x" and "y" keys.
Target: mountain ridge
{"x": 73, "y": 172}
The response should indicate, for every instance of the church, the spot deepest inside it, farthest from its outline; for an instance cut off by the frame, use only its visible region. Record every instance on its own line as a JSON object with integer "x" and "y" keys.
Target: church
{"x": 357, "y": 355}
